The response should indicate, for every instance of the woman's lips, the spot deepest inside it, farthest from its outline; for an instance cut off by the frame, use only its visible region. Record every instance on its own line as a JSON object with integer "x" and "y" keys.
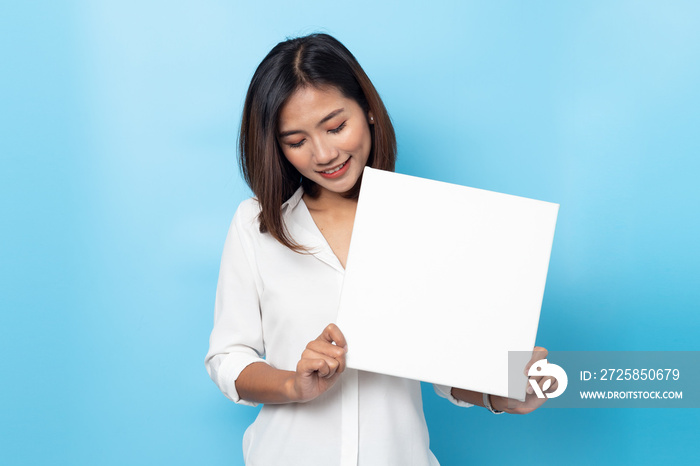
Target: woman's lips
{"x": 336, "y": 171}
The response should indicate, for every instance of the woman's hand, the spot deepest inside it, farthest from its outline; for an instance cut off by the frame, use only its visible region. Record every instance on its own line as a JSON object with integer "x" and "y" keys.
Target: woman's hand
{"x": 321, "y": 364}
{"x": 532, "y": 402}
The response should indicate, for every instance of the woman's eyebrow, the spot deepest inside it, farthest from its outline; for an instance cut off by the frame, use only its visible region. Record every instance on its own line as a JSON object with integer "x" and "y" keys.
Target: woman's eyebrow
{"x": 329, "y": 116}
{"x": 323, "y": 120}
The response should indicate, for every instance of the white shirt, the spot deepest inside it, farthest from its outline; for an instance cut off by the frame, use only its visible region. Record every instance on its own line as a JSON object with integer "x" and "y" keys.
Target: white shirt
{"x": 270, "y": 303}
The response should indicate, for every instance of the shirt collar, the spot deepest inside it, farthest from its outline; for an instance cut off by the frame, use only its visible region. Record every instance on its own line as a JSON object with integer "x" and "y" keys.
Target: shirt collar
{"x": 293, "y": 201}
{"x": 304, "y": 231}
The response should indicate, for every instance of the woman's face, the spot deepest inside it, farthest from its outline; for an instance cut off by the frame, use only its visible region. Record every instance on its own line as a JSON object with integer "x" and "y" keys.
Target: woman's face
{"x": 325, "y": 136}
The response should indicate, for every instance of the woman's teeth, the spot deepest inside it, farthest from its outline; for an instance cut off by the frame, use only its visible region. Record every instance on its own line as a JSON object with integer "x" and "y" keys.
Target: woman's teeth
{"x": 335, "y": 169}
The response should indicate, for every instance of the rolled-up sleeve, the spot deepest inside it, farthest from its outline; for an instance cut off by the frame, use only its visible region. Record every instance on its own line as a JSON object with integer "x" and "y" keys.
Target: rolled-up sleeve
{"x": 237, "y": 337}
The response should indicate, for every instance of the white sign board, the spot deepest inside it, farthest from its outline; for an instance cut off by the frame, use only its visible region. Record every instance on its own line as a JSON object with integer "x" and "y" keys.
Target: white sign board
{"x": 443, "y": 280}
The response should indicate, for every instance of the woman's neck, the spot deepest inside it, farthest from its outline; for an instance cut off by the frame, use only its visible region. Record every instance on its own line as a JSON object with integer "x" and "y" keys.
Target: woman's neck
{"x": 328, "y": 201}
{"x": 334, "y": 216}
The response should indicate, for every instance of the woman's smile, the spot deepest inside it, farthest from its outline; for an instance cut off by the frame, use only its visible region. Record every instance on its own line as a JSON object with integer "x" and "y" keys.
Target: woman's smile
{"x": 337, "y": 171}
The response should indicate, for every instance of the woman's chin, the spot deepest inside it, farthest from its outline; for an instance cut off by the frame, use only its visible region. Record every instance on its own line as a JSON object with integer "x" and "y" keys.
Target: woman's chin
{"x": 339, "y": 186}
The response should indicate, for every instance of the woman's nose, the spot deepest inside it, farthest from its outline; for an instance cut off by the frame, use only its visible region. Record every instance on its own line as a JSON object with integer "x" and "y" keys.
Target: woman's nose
{"x": 324, "y": 153}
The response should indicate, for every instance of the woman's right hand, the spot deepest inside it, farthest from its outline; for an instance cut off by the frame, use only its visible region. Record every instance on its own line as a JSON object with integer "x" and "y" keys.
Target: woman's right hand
{"x": 321, "y": 364}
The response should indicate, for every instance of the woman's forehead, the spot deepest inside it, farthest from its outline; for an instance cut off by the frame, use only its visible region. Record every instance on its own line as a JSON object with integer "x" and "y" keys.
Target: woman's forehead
{"x": 309, "y": 105}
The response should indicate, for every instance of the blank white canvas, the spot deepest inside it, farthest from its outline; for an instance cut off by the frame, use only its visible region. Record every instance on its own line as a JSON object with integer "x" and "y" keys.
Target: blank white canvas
{"x": 443, "y": 280}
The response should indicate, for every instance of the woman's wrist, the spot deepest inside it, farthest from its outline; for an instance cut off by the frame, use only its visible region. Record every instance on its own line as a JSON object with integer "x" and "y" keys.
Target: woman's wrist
{"x": 495, "y": 404}
{"x": 502, "y": 403}
{"x": 290, "y": 389}
{"x": 261, "y": 383}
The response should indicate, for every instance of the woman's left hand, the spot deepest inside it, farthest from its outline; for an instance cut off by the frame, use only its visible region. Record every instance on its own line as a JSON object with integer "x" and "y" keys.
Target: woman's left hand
{"x": 532, "y": 402}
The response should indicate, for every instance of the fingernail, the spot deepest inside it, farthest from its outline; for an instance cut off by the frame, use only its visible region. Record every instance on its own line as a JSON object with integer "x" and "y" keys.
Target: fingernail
{"x": 345, "y": 348}
{"x": 530, "y": 390}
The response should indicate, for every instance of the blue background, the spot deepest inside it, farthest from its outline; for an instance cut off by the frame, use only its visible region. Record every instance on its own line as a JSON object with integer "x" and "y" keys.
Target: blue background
{"x": 118, "y": 181}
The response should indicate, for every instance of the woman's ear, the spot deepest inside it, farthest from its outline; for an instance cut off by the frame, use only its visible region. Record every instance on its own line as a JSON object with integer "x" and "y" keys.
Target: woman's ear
{"x": 370, "y": 117}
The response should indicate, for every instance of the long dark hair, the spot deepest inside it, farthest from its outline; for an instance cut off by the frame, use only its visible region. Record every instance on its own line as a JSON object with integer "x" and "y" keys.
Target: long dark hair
{"x": 317, "y": 60}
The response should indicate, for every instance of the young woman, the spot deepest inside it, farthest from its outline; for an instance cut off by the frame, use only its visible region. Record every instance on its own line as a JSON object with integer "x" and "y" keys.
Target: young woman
{"x": 312, "y": 120}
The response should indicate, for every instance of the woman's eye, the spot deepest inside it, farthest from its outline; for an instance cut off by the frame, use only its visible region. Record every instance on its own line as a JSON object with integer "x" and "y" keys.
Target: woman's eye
{"x": 338, "y": 129}
{"x": 297, "y": 144}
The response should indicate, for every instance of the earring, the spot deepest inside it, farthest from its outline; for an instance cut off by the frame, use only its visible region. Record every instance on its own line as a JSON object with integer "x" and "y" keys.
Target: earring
{"x": 371, "y": 119}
